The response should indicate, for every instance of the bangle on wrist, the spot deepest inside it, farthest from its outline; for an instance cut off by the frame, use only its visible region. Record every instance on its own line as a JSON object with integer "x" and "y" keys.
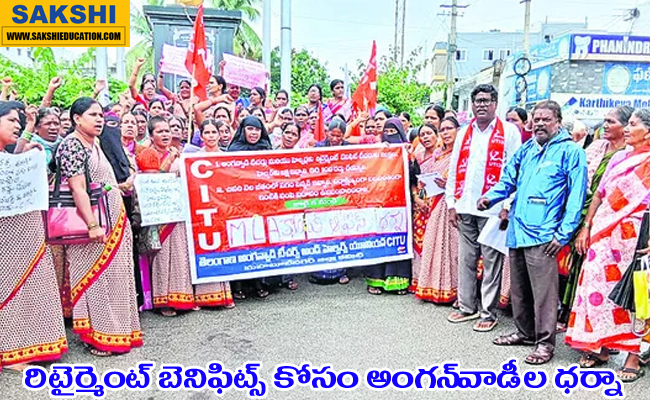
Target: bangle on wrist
{"x": 93, "y": 225}
{"x": 26, "y": 135}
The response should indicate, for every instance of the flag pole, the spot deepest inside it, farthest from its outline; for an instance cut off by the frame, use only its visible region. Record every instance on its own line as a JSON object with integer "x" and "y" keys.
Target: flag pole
{"x": 190, "y": 121}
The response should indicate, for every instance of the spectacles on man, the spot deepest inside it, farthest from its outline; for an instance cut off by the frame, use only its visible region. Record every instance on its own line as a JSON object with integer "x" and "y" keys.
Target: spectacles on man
{"x": 483, "y": 102}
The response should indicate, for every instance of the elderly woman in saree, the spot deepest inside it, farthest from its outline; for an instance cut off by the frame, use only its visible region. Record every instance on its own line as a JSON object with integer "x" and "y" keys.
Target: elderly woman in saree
{"x": 435, "y": 266}
{"x": 170, "y": 267}
{"x": 31, "y": 320}
{"x": 599, "y": 154}
{"x": 596, "y": 324}
{"x": 105, "y": 313}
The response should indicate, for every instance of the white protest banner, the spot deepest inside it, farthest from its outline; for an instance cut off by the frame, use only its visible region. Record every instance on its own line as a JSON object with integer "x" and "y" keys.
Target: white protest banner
{"x": 244, "y": 73}
{"x": 23, "y": 183}
{"x": 160, "y": 198}
{"x": 172, "y": 60}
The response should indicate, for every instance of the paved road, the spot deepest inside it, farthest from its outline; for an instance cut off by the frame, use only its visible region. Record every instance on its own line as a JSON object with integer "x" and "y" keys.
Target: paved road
{"x": 338, "y": 325}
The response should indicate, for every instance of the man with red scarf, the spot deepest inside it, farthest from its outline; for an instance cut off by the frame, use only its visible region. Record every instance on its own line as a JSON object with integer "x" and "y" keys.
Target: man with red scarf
{"x": 481, "y": 152}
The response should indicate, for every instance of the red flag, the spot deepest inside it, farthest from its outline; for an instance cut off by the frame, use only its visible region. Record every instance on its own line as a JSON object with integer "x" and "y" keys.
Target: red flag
{"x": 365, "y": 97}
{"x": 319, "y": 130}
{"x": 197, "y": 61}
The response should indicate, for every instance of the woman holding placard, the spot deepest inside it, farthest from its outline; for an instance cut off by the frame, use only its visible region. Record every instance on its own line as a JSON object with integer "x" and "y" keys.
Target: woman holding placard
{"x": 435, "y": 266}
{"x": 31, "y": 321}
{"x": 104, "y": 313}
{"x": 170, "y": 267}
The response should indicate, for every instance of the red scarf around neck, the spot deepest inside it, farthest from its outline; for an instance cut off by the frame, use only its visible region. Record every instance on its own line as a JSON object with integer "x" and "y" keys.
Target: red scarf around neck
{"x": 495, "y": 158}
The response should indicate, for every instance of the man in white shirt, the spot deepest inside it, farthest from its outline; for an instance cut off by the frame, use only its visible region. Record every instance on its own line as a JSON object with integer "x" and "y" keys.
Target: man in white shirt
{"x": 481, "y": 152}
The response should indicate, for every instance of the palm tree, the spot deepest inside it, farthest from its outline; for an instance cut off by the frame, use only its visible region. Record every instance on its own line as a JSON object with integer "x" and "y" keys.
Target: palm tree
{"x": 247, "y": 43}
{"x": 140, "y": 27}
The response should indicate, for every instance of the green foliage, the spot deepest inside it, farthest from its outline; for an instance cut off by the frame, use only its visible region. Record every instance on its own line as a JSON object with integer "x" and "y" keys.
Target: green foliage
{"x": 398, "y": 87}
{"x": 305, "y": 71}
{"x": 247, "y": 43}
{"x": 31, "y": 83}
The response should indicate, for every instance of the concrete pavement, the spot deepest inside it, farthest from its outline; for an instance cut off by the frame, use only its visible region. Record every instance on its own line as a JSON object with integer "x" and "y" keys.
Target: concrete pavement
{"x": 338, "y": 325}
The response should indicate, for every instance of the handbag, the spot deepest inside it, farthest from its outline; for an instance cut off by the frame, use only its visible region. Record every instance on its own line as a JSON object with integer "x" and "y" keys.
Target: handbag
{"x": 641, "y": 301}
{"x": 149, "y": 240}
{"x": 64, "y": 224}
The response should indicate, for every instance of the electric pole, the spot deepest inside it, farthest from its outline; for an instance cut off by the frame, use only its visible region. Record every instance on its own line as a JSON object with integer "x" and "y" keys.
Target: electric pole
{"x": 398, "y": 39}
{"x": 403, "y": 32}
{"x": 396, "y": 29}
{"x": 285, "y": 47}
{"x": 524, "y": 94}
{"x": 451, "y": 51}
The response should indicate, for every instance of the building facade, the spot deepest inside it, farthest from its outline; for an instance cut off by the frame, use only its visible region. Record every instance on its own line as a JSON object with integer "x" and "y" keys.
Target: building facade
{"x": 477, "y": 51}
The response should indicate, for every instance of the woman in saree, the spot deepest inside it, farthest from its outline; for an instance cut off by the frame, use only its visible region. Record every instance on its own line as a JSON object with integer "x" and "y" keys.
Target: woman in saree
{"x": 105, "y": 313}
{"x": 393, "y": 276}
{"x": 170, "y": 267}
{"x": 147, "y": 86}
{"x": 31, "y": 321}
{"x": 609, "y": 239}
{"x": 315, "y": 100}
{"x": 435, "y": 266}
{"x": 339, "y": 104}
{"x": 599, "y": 154}
{"x": 250, "y": 136}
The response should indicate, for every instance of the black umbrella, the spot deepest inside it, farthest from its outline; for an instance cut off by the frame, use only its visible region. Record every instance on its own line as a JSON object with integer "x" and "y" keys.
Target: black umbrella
{"x": 623, "y": 293}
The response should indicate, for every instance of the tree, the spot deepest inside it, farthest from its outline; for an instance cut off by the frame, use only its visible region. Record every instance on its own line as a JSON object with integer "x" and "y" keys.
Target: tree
{"x": 398, "y": 87}
{"x": 144, "y": 49}
{"x": 305, "y": 71}
{"x": 247, "y": 43}
{"x": 31, "y": 83}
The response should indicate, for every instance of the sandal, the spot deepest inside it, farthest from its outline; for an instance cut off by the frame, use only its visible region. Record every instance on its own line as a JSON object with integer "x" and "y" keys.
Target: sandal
{"x": 196, "y": 308}
{"x": 239, "y": 295}
{"x": 644, "y": 358}
{"x": 402, "y": 292}
{"x": 262, "y": 294}
{"x": 168, "y": 313}
{"x": 375, "y": 290}
{"x": 591, "y": 360}
{"x": 513, "y": 339}
{"x": 485, "y": 325}
{"x": 541, "y": 355}
{"x": 98, "y": 353}
{"x": 455, "y": 306}
{"x": 16, "y": 368}
{"x": 229, "y": 306}
{"x": 560, "y": 328}
{"x": 292, "y": 285}
{"x": 459, "y": 316}
{"x": 632, "y": 374}
{"x": 344, "y": 280}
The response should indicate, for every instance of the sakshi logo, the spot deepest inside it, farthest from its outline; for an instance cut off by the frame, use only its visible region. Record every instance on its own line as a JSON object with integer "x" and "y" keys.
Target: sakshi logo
{"x": 77, "y": 14}
{"x": 65, "y": 23}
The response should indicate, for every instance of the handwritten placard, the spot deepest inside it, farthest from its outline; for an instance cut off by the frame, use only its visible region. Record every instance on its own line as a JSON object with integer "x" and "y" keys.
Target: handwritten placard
{"x": 243, "y": 72}
{"x": 160, "y": 198}
{"x": 172, "y": 60}
{"x": 23, "y": 183}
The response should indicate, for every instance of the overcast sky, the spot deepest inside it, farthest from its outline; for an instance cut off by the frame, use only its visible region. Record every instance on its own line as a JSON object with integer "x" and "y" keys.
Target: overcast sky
{"x": 341, "y": 31}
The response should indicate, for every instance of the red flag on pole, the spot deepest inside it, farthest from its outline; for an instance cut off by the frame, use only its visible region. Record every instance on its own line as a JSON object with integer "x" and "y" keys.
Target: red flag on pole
{"x": 197, "y": 61}
{"x": 319, "y": 130}
{"x": 365, "y": 97}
